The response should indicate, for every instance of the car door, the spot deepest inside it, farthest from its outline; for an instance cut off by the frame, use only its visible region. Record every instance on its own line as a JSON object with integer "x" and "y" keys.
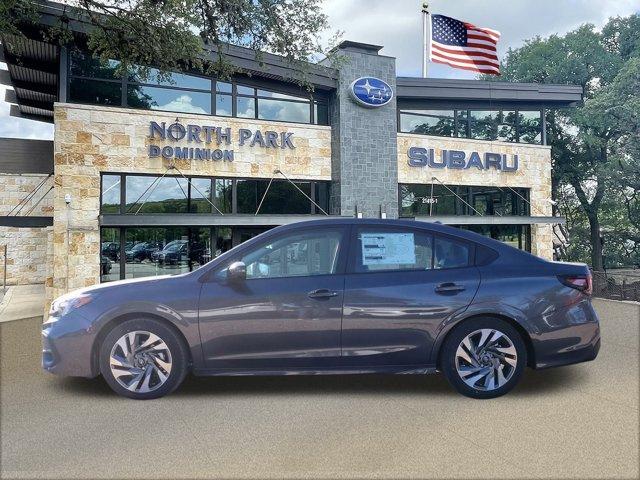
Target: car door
{"x": 287, "y": 312}
{"x": 401, "y": 285}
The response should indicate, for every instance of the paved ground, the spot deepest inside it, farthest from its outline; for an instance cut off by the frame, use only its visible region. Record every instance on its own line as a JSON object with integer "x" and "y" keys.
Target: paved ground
{"x": 579, "y": 422}
{"x": 22, "y": 301}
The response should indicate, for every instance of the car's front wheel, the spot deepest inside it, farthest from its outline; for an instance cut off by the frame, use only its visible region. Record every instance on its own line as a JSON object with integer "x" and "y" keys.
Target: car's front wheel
{"x": 483, "y": 357}
{"x": 143, "y": 359}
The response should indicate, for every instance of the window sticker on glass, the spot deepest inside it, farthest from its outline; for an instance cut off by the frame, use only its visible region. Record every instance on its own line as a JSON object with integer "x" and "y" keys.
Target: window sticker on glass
{"x": 388, "y": 248}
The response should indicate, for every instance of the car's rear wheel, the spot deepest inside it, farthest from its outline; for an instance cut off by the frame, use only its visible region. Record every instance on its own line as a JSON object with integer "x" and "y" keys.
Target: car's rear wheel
{"x": 483, "y": 357}
{"x": 143, "y": 359}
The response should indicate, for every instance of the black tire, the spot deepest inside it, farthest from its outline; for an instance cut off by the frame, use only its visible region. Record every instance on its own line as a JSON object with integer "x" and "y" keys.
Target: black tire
{"x": 449, "y": 366}
{"x": 178, "y": 355}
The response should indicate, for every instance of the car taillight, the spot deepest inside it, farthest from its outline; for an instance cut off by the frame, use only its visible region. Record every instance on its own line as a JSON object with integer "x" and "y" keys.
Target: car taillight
{"x": 584, "y": 283}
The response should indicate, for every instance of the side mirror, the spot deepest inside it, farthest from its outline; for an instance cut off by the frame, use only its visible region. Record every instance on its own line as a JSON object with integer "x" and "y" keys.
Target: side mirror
{"x": 237, "y": 272}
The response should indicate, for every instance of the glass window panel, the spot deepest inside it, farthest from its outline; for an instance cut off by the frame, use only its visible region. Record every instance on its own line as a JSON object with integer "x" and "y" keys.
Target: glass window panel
{"x": 530, "y": 129}
{"x": 449, "y": 254}
{"x": 224, "y": 105}
{"x": 222, "y": 195}
{"x": 166, "y": 251}
{"x": 267, "y": 93}
{"x": 516, "y": 236}
{"x": 95, "y": 92}
{"x": 223, "y": 87}
{"x": 110, "y": 255}
{"x": 247, "y": 196}
{"x": 484, "y": 125}
{"x": 283, "y": 111}
{"x": 428, "y": 122}
{"x": 85, "y": 65}
{"x": 110, "y": 202}
{"x": 157, "y": 98}
{"x": 283, "y": 198}
{"x": 463, "y": 123}
{"x": 166, "y": 195}
{"x": 152, "y": 75}
{"x": 200, "y": 195}
{"x": 242, "y": 90}
{"x": 417, "y": 200}
{"x": 223, "y": 241}
{"x": 322, "y": 196}
{"x": 303, "y": 254}
{"x": 321, "y": 113}
{"x": 393, "y": 250}
{"x": 199, "y": 247}
{"x": 506, "y": 121}
{"x": 245, "y": 107}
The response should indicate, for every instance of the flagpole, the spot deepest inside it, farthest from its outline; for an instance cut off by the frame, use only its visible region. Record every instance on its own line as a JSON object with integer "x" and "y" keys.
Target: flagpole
{"x": 426, "y": 37}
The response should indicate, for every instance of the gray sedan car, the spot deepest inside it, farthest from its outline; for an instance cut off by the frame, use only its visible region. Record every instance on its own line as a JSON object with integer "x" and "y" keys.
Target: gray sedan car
{"x": 333, "y": 296}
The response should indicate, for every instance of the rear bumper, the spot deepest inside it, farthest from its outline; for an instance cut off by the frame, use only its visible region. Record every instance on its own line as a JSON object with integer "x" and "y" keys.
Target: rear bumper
{"x": 576, "y": 344}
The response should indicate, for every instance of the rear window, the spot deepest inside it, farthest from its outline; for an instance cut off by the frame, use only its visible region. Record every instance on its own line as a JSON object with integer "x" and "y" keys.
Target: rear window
{"x": 399, "y": 249}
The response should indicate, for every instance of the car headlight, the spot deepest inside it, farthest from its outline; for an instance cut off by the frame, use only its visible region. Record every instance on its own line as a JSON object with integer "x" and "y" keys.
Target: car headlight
{"x": 63, "y": 305}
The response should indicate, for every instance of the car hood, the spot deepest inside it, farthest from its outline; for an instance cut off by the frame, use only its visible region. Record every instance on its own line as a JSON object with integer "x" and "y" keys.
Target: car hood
{"x": 131, "y": 282}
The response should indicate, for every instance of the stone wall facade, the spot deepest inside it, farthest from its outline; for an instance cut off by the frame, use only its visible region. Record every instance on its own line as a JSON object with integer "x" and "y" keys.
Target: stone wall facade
{"x": 534, "y": 173}
{"x": 26, "y": 247}
{"x": 89, "y": 140}
{"x": 364, "y": 142}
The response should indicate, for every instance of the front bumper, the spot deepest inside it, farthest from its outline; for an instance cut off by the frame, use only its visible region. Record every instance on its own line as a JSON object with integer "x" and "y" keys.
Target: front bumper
{"x": 67, "y": 345}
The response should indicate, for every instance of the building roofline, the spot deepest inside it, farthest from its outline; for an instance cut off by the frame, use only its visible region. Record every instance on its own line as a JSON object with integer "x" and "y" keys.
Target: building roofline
{"x": 413, "y": 88}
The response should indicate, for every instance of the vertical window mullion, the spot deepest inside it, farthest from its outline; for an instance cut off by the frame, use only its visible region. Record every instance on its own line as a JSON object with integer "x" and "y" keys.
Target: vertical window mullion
{"x": 123, "y": 193}
{"x": 312, "y": 186}
{"x": 234, "y": 99}
{"x": 123, "y": 255}
{"x": 234, "y": 196}
{"x": 123, "y": 94}
{"x": 255, "y": 104}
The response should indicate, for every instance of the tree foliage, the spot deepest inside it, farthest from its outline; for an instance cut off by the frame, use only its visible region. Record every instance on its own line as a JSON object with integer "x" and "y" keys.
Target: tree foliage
{"x": 171, "y": 35}
{"x": 595, "y": 147}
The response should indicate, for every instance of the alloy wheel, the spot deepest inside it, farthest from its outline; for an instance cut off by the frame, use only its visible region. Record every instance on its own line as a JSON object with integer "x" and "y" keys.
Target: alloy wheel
{"x": 486, "y": 359}
{"x": 140, "y": 361}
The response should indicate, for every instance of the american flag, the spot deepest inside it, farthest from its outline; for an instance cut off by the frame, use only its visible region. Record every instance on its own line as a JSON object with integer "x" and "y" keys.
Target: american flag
{"x": 463, "y": 45}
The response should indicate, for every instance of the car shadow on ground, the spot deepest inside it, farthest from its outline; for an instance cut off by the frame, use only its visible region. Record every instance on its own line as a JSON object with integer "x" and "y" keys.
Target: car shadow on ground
{"x": 534, "y": 383}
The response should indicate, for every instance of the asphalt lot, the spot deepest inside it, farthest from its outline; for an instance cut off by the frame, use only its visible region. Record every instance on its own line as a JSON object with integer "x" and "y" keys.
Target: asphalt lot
{"x": 575, "y": 422}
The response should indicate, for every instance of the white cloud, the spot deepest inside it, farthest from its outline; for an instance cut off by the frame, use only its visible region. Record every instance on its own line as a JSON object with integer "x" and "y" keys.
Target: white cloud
{"x": 184, "y": 103}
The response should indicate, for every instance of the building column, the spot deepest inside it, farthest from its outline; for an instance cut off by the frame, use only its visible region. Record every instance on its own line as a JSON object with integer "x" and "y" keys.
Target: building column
{"x": 363, "y": 140}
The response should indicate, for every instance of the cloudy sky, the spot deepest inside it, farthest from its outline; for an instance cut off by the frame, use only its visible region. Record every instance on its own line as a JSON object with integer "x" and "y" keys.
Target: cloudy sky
{"x": 397, "y": 25}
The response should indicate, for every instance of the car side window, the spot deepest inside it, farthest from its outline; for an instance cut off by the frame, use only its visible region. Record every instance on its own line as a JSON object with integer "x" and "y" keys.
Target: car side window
{"x": 393, "y": 249}
{"x": 299, "y": 254}
{"x": 448, "y": 253}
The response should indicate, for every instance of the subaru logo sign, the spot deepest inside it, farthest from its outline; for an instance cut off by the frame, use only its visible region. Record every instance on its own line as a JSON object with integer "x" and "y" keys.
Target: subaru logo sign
{"x": 371, "y": 92}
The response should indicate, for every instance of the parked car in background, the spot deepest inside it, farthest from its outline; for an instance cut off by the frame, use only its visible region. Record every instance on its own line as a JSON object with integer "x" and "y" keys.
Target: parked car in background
{"x": 174, "y": 253}
{"x": 111, "y": 250}
{"x": 140, "y": 252}
{"x": 333, "y": 296}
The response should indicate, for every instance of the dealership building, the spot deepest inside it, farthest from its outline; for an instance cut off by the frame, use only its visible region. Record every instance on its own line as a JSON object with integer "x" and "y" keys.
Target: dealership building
{"x": 148, "y": 176}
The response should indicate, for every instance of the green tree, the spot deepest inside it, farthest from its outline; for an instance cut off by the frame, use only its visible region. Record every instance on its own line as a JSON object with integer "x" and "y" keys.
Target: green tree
{"x": 172, "y": 35}
{"x": 593, "y": 146}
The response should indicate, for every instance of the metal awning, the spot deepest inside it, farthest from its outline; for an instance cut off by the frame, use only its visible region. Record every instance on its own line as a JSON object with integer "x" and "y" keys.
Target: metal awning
{"x": 33, "y": 73}
{"x": 491, "y": 220}
{"x": 200, "y": 220}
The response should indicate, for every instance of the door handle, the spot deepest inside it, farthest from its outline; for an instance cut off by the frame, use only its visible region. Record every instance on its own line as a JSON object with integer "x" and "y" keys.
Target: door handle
{"x": 322, "y": 293}
{"x": 449, "y": 287}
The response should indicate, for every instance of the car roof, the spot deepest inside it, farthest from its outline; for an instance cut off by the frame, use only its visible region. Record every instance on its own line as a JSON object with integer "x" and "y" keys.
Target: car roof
{"x": 435, "y": 227}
